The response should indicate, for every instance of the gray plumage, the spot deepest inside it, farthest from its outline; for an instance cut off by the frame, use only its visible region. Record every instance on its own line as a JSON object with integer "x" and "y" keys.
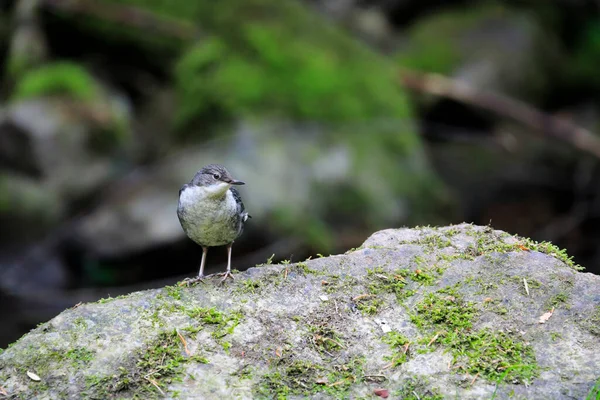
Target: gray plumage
{"x": 211, "y": 212}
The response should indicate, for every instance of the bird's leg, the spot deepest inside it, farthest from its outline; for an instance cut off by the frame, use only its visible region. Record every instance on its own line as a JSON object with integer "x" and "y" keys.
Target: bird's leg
{"x": 228, "y": 274}
{"x": 200, "y": 277}
{"x": 204, "y": 253}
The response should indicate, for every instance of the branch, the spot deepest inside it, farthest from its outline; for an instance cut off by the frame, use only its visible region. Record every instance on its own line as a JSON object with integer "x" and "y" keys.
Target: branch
{"x": 504, "y": 106}
{"x": 127, "y": 15}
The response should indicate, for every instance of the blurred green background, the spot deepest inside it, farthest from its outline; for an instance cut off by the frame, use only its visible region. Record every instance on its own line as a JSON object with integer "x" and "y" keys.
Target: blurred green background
{"x": 108, "y": 108}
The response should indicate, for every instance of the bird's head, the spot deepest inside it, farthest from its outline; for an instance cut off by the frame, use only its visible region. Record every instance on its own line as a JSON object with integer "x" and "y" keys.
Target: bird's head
{"x": 215, "y": 178}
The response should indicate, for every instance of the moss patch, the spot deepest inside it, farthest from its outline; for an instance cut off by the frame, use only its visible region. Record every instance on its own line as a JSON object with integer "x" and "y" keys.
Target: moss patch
{"x": 493, "y": 355}
{"x": 60, "y": 78}
{"x": 303, "y": 378}
{"x": 399, "y": 344}
{"x": 417, "y": 388}
{"x": 160, "y": 364}
{"x": 592, "y": 322}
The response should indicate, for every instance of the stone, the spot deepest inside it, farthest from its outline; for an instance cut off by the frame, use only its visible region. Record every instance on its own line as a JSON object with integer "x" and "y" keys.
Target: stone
{"x": 461, "y": 326}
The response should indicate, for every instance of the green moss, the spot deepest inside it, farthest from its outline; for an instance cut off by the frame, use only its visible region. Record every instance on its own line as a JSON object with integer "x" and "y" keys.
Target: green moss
{"x": 445, "y": 308}
{"x": 174, "y": 291}
{"x": 251, "y": 286}
{"x": 223, "y": 323}
{"x": 80, "y": 356}
{"x": 381, "y": 281}
{"x": 558, "y": 300}
{"x": 490, "y": 243}
{"x": 303, "y": 378}
{"x": 493, "y": 355}
{"x": 303, "y": 269}
{"x": 338, "y": 284}
{"x": 399, "y": 344}
{"x": 368, "y": 304}
{"x": 60, "y": 78}
{"x": 594, "y": 393}
{"x": 160, "y": 364}
{"x": 325, "y": 339}
{"x": 111, "y": 299}
{"x": 592, "y": 322}
{"x": 417, "y": 388}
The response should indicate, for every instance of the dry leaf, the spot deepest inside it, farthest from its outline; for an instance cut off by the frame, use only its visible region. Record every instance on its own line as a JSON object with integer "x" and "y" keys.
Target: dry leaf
{"x": 278, "y": 352}
{"x": 383, "y": 393}
{"x": 546, "y": 316}
{"x": 33, "y": 376}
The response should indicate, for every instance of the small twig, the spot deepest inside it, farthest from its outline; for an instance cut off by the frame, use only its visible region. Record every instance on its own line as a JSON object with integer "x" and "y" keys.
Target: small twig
{"x": 363, "y": 296}
{"x": 433, "y": 339}
{"x": 338, "y": 383}
{"x": 474, "y": 379}
{"x": 152, "y": 381}
{"x": 504, "y": 106}
{"x": 3, "y": 391}
{"x": 388, "y": 366}
{"x": 405, "y": 347}
{"x": 184, "y": 342}
{"x": 526, "y": 286}
{"x": 375, "y": 378}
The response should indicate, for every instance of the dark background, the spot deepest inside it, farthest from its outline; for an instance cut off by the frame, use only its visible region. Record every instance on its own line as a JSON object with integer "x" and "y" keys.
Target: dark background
{"x": 327, "y": 109}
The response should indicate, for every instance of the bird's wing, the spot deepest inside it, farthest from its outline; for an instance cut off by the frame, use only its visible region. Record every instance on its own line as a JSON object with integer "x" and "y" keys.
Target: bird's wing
{"x": 240, "y": 204}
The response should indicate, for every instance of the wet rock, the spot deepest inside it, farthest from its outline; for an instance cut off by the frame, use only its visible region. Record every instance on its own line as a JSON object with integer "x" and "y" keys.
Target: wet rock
{"x": 462, "y": 306}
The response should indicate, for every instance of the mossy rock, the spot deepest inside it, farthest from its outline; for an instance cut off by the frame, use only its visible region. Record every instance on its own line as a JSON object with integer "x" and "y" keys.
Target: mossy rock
{"x": 463, "y": 312}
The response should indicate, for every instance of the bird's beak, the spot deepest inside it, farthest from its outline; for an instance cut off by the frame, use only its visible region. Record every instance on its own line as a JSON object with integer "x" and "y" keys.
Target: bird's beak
{"x": 234, "y": 182}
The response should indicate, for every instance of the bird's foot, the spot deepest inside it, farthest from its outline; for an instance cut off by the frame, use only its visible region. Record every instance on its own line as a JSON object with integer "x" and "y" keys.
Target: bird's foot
{"x": 191, "y": 281}
{"x": 225, "y": 275}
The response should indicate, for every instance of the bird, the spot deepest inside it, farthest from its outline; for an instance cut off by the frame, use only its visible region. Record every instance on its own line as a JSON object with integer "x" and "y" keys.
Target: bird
{"x": 211, "y": 212}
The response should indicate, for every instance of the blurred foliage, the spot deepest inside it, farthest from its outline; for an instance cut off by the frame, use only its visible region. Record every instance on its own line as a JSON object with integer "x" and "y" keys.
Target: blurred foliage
{"x": 59, "y": 78}
{"x": 329, "y": 78}
{"x": 433, "y": 40}
{"x": 298, "y": 80}
{"x": 586, "y": 61}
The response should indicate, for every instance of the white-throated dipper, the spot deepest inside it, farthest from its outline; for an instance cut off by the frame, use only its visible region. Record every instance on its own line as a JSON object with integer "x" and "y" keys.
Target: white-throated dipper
{"x": 211, "y": 212}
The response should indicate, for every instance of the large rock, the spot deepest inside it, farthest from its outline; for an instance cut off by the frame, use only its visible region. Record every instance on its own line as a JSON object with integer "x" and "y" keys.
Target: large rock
{"x": 458, "y": 312}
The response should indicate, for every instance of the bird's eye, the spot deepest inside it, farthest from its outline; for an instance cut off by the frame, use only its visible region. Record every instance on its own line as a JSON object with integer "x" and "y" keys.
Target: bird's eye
{"x": 216, "y": 176}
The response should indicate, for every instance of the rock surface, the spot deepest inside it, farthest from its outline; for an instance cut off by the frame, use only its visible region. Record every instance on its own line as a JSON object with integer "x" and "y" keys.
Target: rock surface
{"x": 452, "y": 312}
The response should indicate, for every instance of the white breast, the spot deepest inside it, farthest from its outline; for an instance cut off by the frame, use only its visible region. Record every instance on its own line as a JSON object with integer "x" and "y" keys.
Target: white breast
{"x": 209, "y": 220}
